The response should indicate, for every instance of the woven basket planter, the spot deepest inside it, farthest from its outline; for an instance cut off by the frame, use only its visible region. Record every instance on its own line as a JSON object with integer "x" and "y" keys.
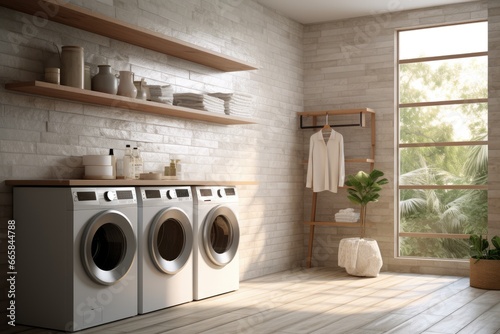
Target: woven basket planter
{"x": 485, "y": 274}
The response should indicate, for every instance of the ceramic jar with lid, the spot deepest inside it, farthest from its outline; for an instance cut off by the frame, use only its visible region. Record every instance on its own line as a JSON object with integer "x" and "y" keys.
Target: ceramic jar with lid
{"x": 72, "y": 66}
{"x": 52, "y": 75}
{"x": 105, "y": 81}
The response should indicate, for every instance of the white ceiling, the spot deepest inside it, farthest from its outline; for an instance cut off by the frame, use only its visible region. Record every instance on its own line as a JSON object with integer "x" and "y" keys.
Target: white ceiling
{"x": 315, "y": 11}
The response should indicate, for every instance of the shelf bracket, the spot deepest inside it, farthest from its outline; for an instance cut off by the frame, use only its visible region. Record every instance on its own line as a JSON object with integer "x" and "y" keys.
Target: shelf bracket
{"x": 360, "y": 124}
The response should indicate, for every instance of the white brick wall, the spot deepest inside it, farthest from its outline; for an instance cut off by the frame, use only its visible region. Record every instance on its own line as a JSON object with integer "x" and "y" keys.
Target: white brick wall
{"x": 43, "y": 138}
{"x": 351, "y": 64}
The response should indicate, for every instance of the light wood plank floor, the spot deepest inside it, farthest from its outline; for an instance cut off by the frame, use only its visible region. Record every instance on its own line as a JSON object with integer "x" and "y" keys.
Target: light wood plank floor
{"x": 326, "y": 300}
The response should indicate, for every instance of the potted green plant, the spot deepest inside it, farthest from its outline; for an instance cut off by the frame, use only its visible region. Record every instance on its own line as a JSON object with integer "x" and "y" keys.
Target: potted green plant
{"x": 360, "y": 256}
{"x": 363, "y": 189}
{"x": 484, "y": 262}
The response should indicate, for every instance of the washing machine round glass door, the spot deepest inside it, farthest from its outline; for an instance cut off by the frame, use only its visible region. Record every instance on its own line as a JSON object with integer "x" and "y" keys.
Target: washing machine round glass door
{"x": 171, "y": 240}
{"x": 221, "y": 235}
{"x": 108, "y": 247}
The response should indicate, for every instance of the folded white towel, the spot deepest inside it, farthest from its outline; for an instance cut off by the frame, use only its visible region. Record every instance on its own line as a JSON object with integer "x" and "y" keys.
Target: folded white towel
{"x": 347, "y": 210}
{"x": 160, "y": 90}
{"x": 237, "y": 104}
{"x": 347, "y": 216}
{"x": 162, "y": 99}
{"x": 199, "y": 102}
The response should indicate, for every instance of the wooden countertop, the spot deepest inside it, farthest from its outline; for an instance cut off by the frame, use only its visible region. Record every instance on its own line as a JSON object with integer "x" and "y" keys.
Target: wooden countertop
{"x": 119, "y": 183}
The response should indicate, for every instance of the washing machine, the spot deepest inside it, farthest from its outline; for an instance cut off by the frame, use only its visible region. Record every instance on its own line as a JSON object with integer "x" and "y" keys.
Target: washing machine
{"x": 75, "y": 256}
{"x": 165, "y": 251}
{"x": 217, "y": 236}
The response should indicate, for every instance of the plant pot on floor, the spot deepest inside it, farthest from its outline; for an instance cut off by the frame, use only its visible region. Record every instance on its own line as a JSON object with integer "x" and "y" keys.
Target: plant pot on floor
{"x": 484, "y": 262}
{"x": 360, "y": 257}
{"x": 485, "y": 274}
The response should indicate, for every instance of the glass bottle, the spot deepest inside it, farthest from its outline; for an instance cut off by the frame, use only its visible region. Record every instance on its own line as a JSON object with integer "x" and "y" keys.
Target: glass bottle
{"x": 113, "y": 161}
{"x": 138, "y": 164}
{"x": 172, "y": 167}
{"x": 128, "y": 163}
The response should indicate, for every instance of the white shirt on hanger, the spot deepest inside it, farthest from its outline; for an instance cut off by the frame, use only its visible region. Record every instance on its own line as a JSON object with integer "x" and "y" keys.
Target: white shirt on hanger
{"x": 325, "y": 169}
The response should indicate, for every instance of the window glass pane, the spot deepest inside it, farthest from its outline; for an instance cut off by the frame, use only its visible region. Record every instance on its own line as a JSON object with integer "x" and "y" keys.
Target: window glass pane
{"x": 455, "y": 211}
{"x": 448, "y": 165}
{"x": 434, "y": 247}
{"x": 449, "y": 123}
{"x": 440, "y": 41}
{"x": 454, "y": 79}
{"x": 438, "y": 106}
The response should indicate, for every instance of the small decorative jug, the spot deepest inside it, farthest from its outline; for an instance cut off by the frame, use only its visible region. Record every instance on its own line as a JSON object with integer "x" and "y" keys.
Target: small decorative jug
{"x": 126, "y": 86}
{"x": 105, "y": 81}
{"x": 142, "y": 89}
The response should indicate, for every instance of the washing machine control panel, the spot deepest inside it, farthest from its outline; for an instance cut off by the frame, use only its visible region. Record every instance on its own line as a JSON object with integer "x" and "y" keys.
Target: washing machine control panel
{"x": 216, "y": 194}
{"x": 102, "y": 196}
{"x": 165, "y": 194}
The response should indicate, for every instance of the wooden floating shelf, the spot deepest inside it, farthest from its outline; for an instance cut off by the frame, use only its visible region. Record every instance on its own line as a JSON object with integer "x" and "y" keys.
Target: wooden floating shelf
{"x": 119, "y": 183}
{"x": 82, "y": 18}
{"x": 337, "y": 224}
{"x": 116, "y": 101}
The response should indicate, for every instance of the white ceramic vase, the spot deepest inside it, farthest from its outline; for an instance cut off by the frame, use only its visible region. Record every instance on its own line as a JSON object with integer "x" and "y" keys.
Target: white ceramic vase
{"x": 105, "y": 81}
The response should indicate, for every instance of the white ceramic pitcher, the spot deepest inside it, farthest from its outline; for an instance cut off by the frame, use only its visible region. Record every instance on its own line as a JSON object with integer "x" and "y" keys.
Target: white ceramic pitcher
{"x": 126, "y": 86}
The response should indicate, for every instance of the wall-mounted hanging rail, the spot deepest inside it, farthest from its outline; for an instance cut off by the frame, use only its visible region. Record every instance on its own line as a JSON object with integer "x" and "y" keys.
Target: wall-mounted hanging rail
{"x": 361, "y": 112}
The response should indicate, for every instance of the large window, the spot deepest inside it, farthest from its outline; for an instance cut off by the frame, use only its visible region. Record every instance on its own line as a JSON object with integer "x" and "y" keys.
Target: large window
{"x": 443, "y": 143}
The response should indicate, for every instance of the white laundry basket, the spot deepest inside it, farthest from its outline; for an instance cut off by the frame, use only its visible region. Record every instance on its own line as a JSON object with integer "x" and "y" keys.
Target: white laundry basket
{"x": 360, "y": 257}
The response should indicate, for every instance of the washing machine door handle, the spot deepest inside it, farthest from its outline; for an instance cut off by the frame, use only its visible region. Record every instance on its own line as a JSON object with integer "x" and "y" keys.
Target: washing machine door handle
{"x": 108, "y": 247}
{"x": 221, "y": 235}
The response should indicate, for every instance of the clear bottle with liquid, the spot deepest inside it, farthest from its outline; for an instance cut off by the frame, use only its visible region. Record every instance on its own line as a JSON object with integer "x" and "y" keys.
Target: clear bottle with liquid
{"x": 172, "y": 168}
{"x": 138, "y": 163}
{"x": 113, "y": 161}
{"x": 178, "y": 169}
{"x": 128, "y": 163}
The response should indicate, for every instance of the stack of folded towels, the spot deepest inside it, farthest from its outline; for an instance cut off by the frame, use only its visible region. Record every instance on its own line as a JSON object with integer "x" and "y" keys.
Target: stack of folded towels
{"x": 200, "y": 102}
{"x": 347, "y": 215}
{"x": 161, "y": 93}
{"x": 236, "y": 104}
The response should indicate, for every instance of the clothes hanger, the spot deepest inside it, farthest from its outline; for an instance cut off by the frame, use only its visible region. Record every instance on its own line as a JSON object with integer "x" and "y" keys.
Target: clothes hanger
{"x": 326, "y": 128}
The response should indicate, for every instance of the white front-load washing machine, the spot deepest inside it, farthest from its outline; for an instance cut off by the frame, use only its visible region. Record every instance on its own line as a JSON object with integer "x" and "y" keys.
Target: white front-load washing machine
{"x": 165, "y": 247}
{"x": 75, "y": 256}
{"x": 217, "y": 236}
